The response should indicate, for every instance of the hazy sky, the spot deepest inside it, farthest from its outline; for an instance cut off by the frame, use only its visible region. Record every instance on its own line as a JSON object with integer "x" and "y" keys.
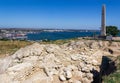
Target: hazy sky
{"x": 75, "y": 14}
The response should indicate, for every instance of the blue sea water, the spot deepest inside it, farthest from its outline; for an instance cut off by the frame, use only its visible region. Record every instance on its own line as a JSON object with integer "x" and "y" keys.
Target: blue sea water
{"x": 59, "y": 35}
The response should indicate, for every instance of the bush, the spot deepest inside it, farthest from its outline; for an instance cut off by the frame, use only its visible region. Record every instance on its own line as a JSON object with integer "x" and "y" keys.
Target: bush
{"x": 112, "y": 30}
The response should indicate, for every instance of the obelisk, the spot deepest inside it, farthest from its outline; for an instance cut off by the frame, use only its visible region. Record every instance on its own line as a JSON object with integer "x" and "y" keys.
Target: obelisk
{"x": 103, "y": 21}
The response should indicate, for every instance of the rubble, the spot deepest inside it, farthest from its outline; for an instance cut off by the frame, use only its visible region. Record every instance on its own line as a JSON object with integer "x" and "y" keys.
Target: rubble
{"x": 50, "y": 63}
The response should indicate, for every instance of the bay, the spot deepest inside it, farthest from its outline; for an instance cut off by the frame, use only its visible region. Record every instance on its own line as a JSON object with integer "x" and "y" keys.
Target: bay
{"x": 59, "y": 35}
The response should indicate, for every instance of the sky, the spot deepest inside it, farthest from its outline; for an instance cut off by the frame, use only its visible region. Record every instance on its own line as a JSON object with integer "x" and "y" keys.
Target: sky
{"x": 61, "y": 14}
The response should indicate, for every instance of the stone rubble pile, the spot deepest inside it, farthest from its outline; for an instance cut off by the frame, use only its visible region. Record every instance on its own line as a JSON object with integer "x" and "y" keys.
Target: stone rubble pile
{"x": 73, "y": 62}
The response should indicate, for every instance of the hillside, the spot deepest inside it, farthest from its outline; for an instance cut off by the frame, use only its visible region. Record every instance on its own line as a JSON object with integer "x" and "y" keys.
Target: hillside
{"x": 73, "y": 61}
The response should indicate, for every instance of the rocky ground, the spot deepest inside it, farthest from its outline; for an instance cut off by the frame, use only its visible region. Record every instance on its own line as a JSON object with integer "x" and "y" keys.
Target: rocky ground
{"x": 73, "y": 62}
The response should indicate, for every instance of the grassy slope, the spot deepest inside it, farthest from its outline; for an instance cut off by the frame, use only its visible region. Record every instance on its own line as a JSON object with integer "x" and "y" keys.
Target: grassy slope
{"x": 59, "y": 42}
{"x": 9, "y": 47}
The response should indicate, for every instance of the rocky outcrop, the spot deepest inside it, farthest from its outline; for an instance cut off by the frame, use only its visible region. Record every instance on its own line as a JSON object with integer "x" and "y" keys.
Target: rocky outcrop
{"x": 69, "y": 63}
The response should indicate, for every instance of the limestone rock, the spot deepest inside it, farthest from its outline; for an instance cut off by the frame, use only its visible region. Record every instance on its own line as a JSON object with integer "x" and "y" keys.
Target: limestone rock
{"x": 94, "y": 62}
{"x": 68, "y": 74}
{"x": 89, "y": 76}
{"x": 85, "y": 69}
{"x": 62, "y": 77}
{"x": 72, "y": 67}
{"x": 34, "y": 49}
{"x": 70, "y": 81}
{"x": 77, "y": 81}
{"x": 38, "y": 63}
{"x": 85, "y": 80}
{"x": 78, "y": 74}
{"x": 5, "y": 63}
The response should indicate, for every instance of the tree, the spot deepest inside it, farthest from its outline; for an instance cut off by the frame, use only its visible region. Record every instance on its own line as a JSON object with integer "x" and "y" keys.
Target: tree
{"x": 112, "y": 30}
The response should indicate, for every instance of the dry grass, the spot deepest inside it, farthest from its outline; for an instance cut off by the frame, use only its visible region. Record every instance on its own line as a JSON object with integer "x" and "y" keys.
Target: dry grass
{"x": 9, "y": 47}
{"x": 60, "y": 42}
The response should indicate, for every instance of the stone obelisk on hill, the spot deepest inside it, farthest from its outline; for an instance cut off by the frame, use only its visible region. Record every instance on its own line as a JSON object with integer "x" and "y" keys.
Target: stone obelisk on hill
{"x": 103, "y": 21}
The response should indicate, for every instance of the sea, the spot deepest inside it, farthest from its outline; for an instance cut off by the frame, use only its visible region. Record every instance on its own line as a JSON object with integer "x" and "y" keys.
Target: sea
{"x": 59, "y": 35}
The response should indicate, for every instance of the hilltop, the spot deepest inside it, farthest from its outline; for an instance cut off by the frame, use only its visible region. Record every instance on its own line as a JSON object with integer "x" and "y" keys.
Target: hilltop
{"x": 74, "y": 61}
